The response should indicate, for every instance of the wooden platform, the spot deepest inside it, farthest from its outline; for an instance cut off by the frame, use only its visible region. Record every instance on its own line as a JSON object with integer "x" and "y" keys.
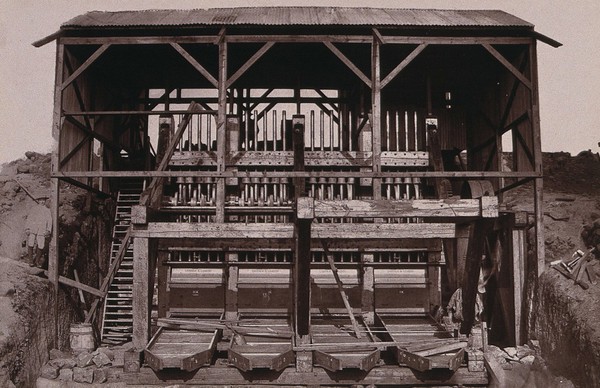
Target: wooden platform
{"x": 340, "y": 331}
{"x": 181, "y": 349}
{"x": 269, "y": 347}
{"x": 390, "y": 375}
{"x": 423, "y": 344}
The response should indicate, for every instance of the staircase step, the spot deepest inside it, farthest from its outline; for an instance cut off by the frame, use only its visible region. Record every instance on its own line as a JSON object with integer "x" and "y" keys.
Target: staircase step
{"x": 118, "y": 318}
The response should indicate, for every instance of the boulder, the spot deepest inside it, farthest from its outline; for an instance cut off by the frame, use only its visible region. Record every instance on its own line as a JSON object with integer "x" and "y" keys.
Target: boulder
{"x": 49, "y": 372}
{"x": 524, "y": 351}
{"x": 83, "y": 375}
{"x": 99, "y": 376}
{"x": 528, "y": 360}
{"x": 511, "y": 351}
{"x": 107, "y": 351}
{"x": 84, "y": 359}
{"x": 101, "y": 360}
{"x": 63, "y": 362}
{"x": 66, "y": 374}
{"x": 23, "y": 169}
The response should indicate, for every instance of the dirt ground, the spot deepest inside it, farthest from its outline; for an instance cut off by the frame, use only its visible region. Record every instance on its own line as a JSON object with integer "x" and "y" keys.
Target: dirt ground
{"x": 572, "y": 200}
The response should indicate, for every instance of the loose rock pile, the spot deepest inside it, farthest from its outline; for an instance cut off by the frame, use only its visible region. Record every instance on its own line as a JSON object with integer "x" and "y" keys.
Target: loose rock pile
{"x": 521, "y": 366}
{"x": 84, "y": 367}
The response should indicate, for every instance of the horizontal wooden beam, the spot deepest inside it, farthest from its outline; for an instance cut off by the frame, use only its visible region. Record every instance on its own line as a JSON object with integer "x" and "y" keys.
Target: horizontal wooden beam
{"x": 423, "y": 208}
{"x": 401, "y": 245}
{"x": 300, "y": 38}
{"x": 286, "y": 231}
{"x": 139, "y": 40}
{"x": 135, "y": 112}
{"x": 311, "y": 158}
{"x": 380, "y": 375}
{"x": 455, "y": 40}
{"x": 298, "y": 174}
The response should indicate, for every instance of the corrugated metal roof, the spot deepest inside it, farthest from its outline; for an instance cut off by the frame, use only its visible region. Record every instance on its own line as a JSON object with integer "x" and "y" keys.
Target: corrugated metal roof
{"x": 306, "y": 16}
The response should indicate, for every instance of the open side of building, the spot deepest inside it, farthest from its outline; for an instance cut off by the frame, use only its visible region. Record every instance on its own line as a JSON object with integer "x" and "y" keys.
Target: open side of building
{"x": 300, "y": 190}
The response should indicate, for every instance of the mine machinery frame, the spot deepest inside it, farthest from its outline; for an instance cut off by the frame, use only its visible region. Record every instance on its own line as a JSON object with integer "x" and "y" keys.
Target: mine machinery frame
{"x": 211, "y": 183}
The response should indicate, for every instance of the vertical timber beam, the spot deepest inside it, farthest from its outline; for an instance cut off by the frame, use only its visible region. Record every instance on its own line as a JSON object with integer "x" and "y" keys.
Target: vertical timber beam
{"x": 302, "y": 236}
{"x": 538, "y": 184}
{"x": 164, "y": 274}
{"x": 53, "y": 262}
{"x": 519, "y": 257}
{"x": 221, "y": 127}
{"x": 434, "y": 275}
{"x": 376, "y": 112}
{"x": 302, "y": 250}
{"x": 141, "y": 292}
{"x": 231, "y": 294}
{"x": 477, "y": 236}
{"x": 368, "y": 289}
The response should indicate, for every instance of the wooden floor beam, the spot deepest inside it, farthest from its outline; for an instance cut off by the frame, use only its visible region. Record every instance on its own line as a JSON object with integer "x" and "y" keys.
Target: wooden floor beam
{"x": 237, "y": 231}
{"x": 424, "y": 208}
{"x": 382, "y": 375}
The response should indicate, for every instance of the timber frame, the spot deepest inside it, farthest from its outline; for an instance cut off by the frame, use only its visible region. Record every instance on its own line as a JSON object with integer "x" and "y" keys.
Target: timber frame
{"x": 404, "y": 155}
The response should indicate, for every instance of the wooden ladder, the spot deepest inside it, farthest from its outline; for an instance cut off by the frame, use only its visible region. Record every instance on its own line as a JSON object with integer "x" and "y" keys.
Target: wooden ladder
{"x": 117, "y": 319}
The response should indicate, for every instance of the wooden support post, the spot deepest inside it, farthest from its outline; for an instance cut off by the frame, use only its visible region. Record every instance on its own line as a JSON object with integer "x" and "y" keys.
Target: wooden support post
{"x": 462, "y": 245}
{"x": 434, "y": 275}
{"x": 376, "y": 113}
{"x": 449, "y": 249}
{"x": 233, "y": 142}
{"x": 221, "y": 128}
{"x": 477, "y": 235}
{"x": 538, "y": 183}
{"x": 231, "y": 294}
{"x": 164, "y": 274}
{"x": 435, "y": 160}
{"x": 141, "y": 291}
{"x": 302, "y": 237}
{"x": 368, "y": 289}
{"x": 53, "y": 262}
{"x": 519, "y": 257}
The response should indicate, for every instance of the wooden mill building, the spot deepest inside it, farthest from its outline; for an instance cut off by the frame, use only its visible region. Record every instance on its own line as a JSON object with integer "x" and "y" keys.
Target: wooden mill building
{"x": 298, "y": 190}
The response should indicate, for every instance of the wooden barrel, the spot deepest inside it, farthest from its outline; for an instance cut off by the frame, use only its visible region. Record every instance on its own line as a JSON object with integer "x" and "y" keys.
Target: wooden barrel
{"x": 82, "y": 338}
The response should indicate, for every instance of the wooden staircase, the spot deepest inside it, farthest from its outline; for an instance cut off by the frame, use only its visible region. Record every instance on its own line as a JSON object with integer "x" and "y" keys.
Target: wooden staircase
{"x": 117, "y": 322}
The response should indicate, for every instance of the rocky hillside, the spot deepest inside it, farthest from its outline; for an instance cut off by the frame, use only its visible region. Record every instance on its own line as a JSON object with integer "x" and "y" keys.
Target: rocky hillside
{"x": 27, "y": 324}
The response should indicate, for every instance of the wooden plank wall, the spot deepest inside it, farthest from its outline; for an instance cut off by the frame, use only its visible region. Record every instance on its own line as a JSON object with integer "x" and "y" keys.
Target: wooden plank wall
{"x": 70, "y": 134}
{"x": 484, "y": 107}
{"x": 521, "y": 105}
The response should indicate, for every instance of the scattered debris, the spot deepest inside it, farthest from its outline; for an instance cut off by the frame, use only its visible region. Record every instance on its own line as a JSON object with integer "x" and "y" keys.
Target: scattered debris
{"x": 565, "y": 199}
{"x": 557, "y": 218}
{"x": 579, "y": 268}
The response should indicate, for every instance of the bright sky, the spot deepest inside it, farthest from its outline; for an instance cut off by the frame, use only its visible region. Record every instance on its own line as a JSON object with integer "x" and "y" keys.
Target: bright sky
{"x": 569, "y": 76}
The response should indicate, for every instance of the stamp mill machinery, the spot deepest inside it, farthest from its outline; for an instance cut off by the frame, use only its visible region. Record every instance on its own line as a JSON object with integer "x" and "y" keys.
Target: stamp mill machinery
{"x": 300, "y": 190}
